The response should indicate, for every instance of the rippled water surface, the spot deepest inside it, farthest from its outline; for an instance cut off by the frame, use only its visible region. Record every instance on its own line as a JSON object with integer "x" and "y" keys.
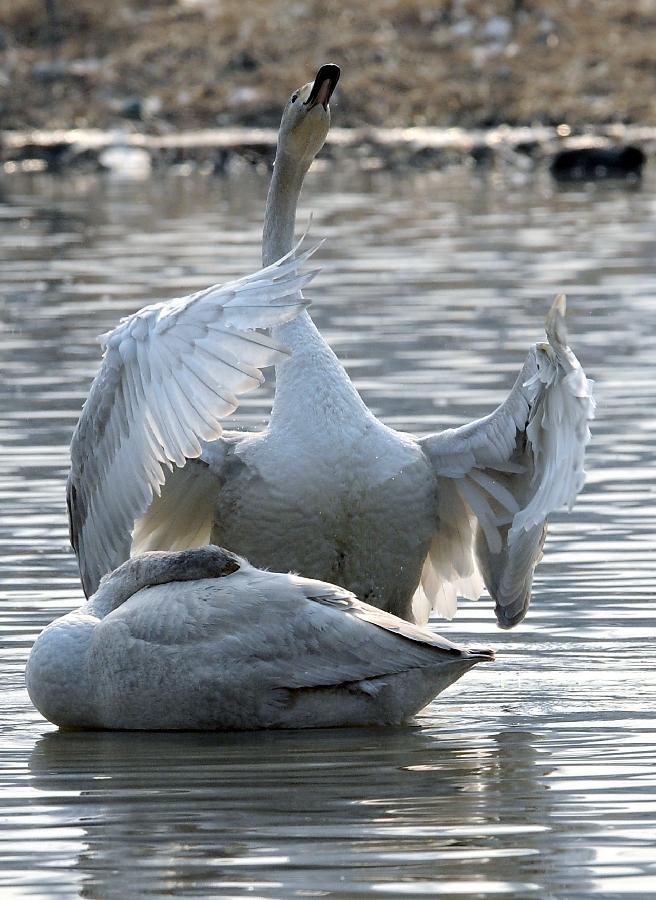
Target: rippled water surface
{"x": 535, "y": 776}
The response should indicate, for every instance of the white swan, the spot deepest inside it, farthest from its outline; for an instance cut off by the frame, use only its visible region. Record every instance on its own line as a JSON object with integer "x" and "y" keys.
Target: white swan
{"x": 406, "y": 523}
{"x": 199, "y": 639}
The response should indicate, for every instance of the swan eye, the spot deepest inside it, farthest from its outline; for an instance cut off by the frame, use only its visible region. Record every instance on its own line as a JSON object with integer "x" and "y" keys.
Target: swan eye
{"x": 294, "y": 98}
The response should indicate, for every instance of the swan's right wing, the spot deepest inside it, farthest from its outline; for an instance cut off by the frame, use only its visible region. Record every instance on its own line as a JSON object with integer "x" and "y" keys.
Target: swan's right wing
{"x": 169, "y": 373}
{"x": 181, "y": 516}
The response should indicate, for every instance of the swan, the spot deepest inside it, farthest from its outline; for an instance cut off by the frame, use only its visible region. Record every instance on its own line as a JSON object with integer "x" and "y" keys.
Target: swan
{"x": 406, "y": 523}
{"x": 200, "y": 639}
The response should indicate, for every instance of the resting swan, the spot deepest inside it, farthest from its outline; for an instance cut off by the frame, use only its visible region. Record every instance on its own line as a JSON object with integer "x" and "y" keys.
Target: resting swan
{"x": 200, "y": 639}
{"x": 407, "y": 523}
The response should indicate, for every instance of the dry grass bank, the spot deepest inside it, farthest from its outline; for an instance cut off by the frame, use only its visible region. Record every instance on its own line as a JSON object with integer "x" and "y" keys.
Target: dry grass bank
{"x": 171, "y": 64}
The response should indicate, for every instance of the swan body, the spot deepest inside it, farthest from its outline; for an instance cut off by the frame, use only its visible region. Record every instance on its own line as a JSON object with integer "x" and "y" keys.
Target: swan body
{"x": 358, "y": 524}
{"x": 407, "y": 523}
{"x": 200, "y": 639}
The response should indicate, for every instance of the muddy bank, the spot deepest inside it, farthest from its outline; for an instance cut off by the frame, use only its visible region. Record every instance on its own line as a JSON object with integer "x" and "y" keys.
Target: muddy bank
{"x": 218, "y": 151}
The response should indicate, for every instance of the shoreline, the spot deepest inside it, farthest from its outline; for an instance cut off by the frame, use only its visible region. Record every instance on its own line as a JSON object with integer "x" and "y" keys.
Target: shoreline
{"x": 63, "y": 150}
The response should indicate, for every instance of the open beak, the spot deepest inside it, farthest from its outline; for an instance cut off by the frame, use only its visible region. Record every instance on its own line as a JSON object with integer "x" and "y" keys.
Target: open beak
{"x": 323, "y": 87}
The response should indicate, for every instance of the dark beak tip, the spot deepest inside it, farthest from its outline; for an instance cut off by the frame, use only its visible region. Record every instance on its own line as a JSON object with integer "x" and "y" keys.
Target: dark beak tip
{"x": 328, "y": 72}
{"x": 331, "y": 71}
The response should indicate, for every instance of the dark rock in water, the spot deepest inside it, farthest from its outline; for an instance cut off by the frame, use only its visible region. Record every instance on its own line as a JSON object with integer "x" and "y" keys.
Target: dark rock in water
{"x": 56, "y": 158}
{"x": 220, "y": 163}
{"x": 51, "y": 156}
{"x": 423, "y": 158}
{"x": 482, "y": 155}
{"x": 530, "y": 148}
{"x": 593, "y": 163}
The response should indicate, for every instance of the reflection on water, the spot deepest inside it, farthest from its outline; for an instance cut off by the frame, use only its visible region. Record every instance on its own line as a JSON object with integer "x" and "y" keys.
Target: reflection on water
{"x": 534, "y": 776}
{"x": 355, "y": 807}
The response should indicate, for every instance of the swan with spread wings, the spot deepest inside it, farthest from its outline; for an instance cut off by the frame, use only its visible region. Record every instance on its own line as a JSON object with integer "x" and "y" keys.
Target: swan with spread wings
{"x": 327, "y": 490}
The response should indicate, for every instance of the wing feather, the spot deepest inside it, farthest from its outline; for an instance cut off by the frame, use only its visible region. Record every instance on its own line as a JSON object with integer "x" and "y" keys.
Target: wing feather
{"x": 501, "y": 477}
{"x": 181, "y": 516}
{"x": 169, "y": 373}
{"x": 329, "y": 645}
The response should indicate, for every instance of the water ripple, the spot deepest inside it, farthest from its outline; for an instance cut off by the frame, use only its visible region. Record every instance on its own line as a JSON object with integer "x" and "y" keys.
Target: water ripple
{"x": 532, "y": 777}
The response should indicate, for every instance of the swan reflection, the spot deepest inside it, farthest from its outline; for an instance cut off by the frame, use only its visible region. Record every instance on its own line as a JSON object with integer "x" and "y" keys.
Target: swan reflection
{"x": 294, "y": 811}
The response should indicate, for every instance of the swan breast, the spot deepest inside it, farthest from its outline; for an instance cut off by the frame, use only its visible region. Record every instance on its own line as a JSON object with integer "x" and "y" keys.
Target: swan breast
{"x": 360, "y": 515}
{"x": 56, "y": 673}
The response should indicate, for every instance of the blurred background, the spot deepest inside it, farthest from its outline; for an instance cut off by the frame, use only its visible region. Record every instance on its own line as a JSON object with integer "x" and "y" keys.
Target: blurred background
{"x": 170, "y": 64}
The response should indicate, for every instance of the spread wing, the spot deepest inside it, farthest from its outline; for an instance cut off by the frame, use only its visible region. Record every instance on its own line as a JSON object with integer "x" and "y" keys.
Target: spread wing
{"x": 180, "y": 517}
{"x": 502, "y": 475}
{"x": 169, "y": 373}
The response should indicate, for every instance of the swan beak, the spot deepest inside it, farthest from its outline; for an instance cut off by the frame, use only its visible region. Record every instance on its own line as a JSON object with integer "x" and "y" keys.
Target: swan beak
{"x": 323, "y": 87}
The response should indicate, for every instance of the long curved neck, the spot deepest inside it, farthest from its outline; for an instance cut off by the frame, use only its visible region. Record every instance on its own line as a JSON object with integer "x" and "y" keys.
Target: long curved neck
{"x": 312, "y": 384}
{"x": 280, "y": 214}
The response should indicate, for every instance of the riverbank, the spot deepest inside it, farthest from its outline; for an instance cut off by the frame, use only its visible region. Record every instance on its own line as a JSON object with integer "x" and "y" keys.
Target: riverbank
{"x": 168, "y": 66}
{"x": 216, "y": 151}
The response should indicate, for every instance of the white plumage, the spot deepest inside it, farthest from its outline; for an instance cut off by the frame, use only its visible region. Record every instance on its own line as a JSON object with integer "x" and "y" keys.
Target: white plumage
{"x": 509, "y": 471}
{"x": 406, "y": 523}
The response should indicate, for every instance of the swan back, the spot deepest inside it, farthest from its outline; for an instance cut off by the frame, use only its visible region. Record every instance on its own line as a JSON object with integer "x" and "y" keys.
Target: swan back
{"x": 57, "y": 673}
{"x": 242, "y": 649}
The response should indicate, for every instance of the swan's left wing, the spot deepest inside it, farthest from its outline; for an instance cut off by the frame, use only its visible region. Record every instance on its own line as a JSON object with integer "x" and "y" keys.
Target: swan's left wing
{"x": 501, "y": 476}
{"x": 169, "y": 373}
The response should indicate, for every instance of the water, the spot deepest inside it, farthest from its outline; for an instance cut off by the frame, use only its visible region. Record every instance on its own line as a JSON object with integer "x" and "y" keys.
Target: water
{"x": 534, "y": 776}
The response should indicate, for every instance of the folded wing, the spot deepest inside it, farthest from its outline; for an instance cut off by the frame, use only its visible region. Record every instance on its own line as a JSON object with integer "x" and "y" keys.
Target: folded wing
{"x": 336, "y": 639}
{"x": 169, "y": 373}
{"x": 501, "y": 476}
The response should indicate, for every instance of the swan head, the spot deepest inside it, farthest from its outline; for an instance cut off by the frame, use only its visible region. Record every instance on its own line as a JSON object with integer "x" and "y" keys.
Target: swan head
{"x": 306, "y": 117}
